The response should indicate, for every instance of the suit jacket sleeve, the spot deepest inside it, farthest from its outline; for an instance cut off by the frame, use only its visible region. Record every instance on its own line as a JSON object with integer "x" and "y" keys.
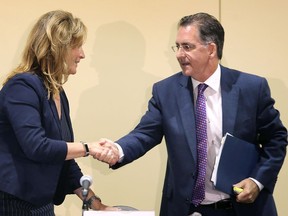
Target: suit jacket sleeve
{"x": 146, "y": 135}
{"x": 272, "y": 136}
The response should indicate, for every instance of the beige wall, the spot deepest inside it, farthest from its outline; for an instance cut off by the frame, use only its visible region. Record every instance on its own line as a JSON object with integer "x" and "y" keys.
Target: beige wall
{"x": 127, "y": 50}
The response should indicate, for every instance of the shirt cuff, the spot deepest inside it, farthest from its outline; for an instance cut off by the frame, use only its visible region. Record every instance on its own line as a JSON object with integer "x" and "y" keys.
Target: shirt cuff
{"x": 260, "y": 186}
{"x": 121, "y": 153}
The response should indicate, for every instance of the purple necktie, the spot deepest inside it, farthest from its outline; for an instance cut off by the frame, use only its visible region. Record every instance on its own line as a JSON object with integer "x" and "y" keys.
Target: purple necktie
{"x": 201, "y": 138}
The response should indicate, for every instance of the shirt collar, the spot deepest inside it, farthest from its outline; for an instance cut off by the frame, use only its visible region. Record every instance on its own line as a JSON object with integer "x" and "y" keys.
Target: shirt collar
{"x": 213, "y": 81}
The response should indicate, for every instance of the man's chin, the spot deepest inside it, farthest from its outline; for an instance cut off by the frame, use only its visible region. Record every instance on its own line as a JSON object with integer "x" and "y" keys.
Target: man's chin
{"x": 186, "y": 72}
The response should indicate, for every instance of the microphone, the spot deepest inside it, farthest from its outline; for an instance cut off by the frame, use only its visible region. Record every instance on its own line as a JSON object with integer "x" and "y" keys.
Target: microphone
{"x": 196, "y": 214}
{"x": 85, "y": 182}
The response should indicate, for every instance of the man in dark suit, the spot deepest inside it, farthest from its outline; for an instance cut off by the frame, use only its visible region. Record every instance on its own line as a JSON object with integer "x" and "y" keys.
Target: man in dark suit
{"x": 236, "y": 102}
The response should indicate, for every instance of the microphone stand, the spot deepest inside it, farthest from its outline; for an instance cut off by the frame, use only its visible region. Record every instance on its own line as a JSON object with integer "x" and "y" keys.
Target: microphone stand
{"x": 85, "y": 206}
{"x": 85, "y": 182}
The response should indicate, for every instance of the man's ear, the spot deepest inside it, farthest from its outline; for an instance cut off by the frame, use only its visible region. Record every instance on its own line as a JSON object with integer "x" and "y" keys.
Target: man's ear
{"x": 212, "y": 49}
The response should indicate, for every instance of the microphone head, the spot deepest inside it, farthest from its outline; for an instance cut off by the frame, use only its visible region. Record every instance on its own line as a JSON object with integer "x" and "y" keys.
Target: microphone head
{"x": 85, "y": 178}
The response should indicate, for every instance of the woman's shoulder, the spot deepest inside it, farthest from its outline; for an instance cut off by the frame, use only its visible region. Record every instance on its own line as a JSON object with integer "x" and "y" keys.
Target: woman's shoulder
{"x": 28, "y": 80}
{"x": 31, "y": 76}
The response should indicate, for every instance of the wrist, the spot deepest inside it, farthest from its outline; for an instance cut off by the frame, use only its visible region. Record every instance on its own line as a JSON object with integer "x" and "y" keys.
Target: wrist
{"x": 92, "y": 199}
{"x": 86, "y": 148}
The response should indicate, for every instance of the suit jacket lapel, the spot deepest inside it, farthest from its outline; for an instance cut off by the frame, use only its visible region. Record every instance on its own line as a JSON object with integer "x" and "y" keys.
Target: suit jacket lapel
{"x": 230, "y": 98}
{"x": 186, "y": 109}
{"x": 54, "y": 112}
{"x": 66, "y": 112}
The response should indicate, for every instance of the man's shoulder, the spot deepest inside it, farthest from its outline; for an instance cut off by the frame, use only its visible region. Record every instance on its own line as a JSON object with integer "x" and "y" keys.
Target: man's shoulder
{"x": 172, "y": 78}
{"x": 231, "y": 74}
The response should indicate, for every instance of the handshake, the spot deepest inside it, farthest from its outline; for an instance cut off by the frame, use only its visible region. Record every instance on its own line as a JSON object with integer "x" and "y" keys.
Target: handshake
{"x": 105, "y": 150}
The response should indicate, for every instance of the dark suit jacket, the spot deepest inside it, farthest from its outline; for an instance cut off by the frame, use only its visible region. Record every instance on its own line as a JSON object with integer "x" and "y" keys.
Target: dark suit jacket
{"x": 248, "y": 113}
{"x": 32, "y": 154}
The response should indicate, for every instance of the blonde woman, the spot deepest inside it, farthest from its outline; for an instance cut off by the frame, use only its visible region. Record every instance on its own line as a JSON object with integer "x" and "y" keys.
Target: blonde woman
{"x": 37, "y": 148}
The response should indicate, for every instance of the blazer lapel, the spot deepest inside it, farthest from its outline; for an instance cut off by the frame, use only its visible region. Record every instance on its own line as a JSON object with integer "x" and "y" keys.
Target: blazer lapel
{"x": 65, "y": 111}
{"x": 186, "y": 109}
{"x": 54, "y": 112}
{"x": 230, "y": 98}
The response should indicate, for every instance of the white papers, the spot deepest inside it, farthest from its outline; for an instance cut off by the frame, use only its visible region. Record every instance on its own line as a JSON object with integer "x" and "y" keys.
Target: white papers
{"x": 215, "y": 169}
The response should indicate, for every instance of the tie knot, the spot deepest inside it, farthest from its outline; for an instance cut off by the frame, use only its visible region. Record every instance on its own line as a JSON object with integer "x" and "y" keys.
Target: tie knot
{"x": 201, "y": 88}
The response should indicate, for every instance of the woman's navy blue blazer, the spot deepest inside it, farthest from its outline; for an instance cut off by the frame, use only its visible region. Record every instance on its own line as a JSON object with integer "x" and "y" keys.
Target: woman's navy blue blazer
{"x": 32, "y": 152}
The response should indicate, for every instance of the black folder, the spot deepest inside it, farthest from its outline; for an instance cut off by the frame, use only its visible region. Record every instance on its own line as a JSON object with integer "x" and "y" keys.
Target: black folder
{"x": 237, "y": 160}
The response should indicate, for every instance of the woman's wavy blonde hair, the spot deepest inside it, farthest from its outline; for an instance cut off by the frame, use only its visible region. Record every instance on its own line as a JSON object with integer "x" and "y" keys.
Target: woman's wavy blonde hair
{"x": 47, "y": 47}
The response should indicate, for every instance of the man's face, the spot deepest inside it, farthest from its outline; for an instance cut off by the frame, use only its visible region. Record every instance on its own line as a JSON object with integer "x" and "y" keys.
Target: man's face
{"x": 193, "y": 55}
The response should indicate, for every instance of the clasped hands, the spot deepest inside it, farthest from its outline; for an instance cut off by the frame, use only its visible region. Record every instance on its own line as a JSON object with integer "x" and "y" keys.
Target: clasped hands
{"x": 105, "y": 150}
